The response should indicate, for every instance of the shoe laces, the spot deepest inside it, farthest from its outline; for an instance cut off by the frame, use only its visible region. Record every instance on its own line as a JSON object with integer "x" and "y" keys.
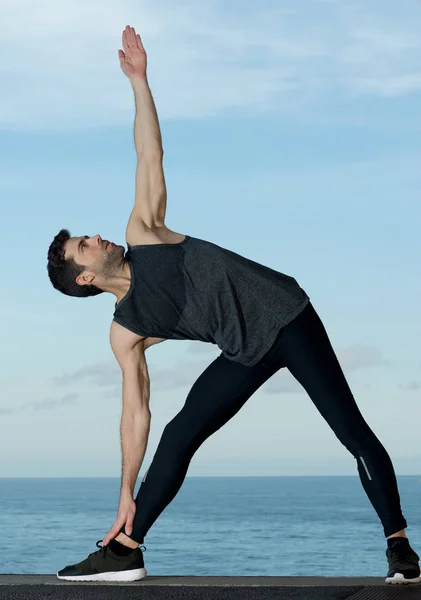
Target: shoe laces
{"x": 103, "y": 549}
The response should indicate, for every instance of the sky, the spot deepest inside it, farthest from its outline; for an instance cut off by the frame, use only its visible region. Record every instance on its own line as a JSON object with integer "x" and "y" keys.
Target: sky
{"x": 291, "y": 134}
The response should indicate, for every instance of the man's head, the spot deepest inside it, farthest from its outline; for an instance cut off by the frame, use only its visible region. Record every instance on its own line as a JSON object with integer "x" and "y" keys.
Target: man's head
{"x": 82, "y": 266}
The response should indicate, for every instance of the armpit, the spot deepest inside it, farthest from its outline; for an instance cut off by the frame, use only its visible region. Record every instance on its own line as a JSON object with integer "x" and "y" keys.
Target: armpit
{"x": 150, "y": 341}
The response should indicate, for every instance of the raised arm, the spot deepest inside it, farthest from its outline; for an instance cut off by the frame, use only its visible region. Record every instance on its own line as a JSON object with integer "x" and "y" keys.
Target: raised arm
{"x": 151, "y": 192}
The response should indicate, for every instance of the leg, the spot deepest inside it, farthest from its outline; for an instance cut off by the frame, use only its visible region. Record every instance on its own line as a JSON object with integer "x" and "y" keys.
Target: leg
{"x": 309, "y": 356}
{"x": 217, "y": 395}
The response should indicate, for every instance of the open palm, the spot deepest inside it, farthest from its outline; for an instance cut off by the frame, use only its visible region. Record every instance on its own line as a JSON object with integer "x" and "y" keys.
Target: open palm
{"x": 133, "y": 60}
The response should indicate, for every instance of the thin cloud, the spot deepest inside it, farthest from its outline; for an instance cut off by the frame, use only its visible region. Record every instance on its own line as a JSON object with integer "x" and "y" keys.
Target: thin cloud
{"x": 100, "y": 374}
{"x": 183, "y": 373}
{"x": 411, "y": 386}
{"x": 202, "y": 60}
{"x": 40, "y": 405}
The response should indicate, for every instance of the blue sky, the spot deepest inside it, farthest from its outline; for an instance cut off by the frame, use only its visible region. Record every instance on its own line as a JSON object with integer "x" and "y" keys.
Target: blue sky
{"x": 291, "y": 136}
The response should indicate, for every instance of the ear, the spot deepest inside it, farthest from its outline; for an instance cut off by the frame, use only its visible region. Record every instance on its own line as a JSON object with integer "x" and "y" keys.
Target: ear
{"x": 84, "y": 279}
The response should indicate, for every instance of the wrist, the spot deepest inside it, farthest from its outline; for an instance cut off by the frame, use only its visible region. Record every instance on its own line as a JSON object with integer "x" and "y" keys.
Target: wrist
{"x": 138, "y": 79}
{"x": 127, "y": 490}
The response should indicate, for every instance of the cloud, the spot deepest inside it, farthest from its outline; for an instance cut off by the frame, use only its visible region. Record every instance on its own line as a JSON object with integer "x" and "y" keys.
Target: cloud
{"x": 60, "y": 69}
{"x": 354, "y": 358}
{"x": 381, "y": 61}
{"x": 50, "y": 403}
{"x": 351, "y": 359}
{"x": 100, "y": 374}
{"x": 183, "y": 373}
{"x": 39, "y": 405}
{"x": 411, "y": 386}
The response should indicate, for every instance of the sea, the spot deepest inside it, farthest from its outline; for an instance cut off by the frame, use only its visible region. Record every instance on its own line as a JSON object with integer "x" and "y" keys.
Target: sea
{"x": 217, "y": 526}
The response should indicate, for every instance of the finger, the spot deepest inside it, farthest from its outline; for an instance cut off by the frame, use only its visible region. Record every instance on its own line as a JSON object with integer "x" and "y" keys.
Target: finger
{"x": 139, "y": 43}
{"x": 132, "y": 36}
{"x": 110, "y": 536}
{"x": 129, "y": 36}
{"x": 129, "y": 527}
{"x": 115, "y": 529}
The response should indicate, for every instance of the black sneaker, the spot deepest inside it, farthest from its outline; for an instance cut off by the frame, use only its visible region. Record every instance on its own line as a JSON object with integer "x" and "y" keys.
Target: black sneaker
{"x": 106, "y": 565}
{"x": 403, "y": 563}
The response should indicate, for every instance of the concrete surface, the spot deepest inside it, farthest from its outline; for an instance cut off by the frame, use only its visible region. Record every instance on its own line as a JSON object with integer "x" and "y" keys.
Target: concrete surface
{"x": 39, "y": 587}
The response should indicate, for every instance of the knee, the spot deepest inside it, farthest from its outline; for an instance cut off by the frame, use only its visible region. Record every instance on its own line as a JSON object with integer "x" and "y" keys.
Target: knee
{"x": 172, "y": 434}
{"x": 182, "y": 435}
{"x": 363, "y": 444}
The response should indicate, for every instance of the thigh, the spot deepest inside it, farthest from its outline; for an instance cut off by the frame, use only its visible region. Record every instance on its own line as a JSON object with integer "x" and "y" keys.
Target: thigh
{"x": 216, "y": 396}
{"x": 311, "y": 359}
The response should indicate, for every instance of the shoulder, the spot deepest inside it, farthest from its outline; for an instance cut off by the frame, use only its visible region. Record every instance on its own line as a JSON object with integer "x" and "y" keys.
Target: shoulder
{"x": 123, "y": 339}
{"x": 138, "y": 233}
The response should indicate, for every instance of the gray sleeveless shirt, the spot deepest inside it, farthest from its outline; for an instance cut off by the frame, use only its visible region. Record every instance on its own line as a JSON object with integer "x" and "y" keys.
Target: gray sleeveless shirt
{"x": 197, "y": 290}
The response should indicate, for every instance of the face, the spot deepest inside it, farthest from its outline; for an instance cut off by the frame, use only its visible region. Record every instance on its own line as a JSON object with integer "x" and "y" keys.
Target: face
{"x": 101, "y": 258}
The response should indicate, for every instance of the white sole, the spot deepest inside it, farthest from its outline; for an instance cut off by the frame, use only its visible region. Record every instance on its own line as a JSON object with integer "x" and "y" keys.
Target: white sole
{"x": 399, "y": 579}
{"x": 133, "y": 575}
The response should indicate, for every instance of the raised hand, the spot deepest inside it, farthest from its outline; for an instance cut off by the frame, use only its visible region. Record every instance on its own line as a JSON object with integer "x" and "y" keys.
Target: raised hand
{"x": 133, "y": 60}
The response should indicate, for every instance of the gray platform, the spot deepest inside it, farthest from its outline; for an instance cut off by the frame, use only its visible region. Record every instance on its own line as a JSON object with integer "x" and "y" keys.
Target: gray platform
{"x": 38, "y": 587}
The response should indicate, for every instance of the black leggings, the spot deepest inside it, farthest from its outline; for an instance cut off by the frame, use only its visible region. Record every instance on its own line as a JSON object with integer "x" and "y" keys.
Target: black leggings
{"x": 225, "y": 386}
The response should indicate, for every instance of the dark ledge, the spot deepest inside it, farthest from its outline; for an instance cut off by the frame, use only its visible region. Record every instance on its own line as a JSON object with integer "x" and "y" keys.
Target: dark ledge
{"x": 39, "y": 587}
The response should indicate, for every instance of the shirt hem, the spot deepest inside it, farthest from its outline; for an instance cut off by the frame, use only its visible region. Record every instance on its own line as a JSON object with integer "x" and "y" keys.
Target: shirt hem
{"x": 275, "y": 335}
{"x": 129, "y": 327}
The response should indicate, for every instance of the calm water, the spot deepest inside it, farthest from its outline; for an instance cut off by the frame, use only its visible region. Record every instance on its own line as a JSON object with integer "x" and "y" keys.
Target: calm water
{"x": 215, "y": 526}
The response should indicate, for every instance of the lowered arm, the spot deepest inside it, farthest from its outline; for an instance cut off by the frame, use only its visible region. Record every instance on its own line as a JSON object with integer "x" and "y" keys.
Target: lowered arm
{"x": 136, "y": 415}
{"x": 135, "y": 424}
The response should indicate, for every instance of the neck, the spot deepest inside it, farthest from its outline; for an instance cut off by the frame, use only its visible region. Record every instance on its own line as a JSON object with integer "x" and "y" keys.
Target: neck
{"x": 119, "y": 285}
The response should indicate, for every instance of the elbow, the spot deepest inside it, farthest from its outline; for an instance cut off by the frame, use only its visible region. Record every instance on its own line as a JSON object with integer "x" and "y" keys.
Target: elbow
{"x": 142, "y": 413}
{"x": 138, "y": 414}
{"x": 152, "y": 153}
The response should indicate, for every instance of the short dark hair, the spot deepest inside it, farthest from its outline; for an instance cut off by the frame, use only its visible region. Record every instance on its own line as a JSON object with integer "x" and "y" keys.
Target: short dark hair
{"x": 63, "y": 272}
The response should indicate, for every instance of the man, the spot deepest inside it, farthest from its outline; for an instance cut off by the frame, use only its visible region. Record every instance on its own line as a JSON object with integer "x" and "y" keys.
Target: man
{"x": 174, "y": 286}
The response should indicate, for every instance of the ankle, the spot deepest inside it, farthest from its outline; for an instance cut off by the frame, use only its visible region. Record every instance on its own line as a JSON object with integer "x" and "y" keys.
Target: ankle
{"x": 400, "y": 534}
{"x": 126, "y": 541}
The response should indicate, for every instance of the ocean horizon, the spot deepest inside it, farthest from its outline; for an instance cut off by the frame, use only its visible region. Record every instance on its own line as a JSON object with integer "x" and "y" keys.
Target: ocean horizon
{"x": 216, "y": 526}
